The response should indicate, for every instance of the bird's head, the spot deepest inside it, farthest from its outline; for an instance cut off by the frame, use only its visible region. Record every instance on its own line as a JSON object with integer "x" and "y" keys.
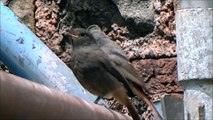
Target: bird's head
{"x": 79, "y": 37}
{"x": 93, "y": 28}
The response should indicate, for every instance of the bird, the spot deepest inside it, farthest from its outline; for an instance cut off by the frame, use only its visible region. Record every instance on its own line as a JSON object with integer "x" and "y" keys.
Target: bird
{"x": 95, "y": 72}
{"x": 98, "y": 73}
{"x": 117, "y": 55}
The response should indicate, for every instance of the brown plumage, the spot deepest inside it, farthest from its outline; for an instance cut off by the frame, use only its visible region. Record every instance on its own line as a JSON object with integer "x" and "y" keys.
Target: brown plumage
{"x": 104, "y": 74}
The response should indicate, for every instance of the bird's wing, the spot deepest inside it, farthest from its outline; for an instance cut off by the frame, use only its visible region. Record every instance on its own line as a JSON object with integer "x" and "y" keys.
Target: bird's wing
{"x": 127, "y": 70}
{"x": 113, "y": 70}
{"x": 117, "y": 55}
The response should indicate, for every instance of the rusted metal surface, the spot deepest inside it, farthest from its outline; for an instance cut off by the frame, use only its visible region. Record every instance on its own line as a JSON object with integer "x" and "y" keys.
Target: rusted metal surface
{"x": 23, "y": 99}
{"x": 198, "y": 99}
{"x": 194, "y": 43}
{"x": 172, "y": 107}
{"x": 195, "y": 57}
{"x": 195, "y": 4}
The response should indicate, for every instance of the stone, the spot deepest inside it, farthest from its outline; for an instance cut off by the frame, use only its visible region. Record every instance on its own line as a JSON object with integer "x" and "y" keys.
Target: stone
{"x": 138, "y": 13}
{"x": 24, "y": 9}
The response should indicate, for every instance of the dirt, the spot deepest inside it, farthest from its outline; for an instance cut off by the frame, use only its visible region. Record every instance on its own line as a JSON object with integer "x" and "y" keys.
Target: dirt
{"x": 47, "y": 17}
{"x": 159, "y": 75}
{"x": 152, "y": 46}
{"x": 4, "y": 68}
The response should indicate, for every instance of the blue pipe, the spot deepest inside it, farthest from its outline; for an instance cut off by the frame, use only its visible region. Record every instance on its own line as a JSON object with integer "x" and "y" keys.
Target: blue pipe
{"x": 27, "y": 56}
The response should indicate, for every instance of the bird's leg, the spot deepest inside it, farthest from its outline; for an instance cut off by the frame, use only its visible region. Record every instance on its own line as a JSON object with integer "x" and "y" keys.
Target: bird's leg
{"x": 112, "y": 104}
{"x": 102, "y": 104}
{"x": 97, "y": 100}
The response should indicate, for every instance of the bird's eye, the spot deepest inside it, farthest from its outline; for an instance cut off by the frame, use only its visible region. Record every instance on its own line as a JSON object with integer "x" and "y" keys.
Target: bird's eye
{"x": 83, "y": 34}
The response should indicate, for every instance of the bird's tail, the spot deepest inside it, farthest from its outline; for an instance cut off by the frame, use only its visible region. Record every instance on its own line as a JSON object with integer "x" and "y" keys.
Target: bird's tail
{"x": 140, "y": 93}
{"x": 132, "y": 110}
{"x": 120, "y": 95}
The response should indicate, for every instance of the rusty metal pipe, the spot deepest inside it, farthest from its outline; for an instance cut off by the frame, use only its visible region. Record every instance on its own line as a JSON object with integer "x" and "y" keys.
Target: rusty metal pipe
{"x": 23, "y": 99}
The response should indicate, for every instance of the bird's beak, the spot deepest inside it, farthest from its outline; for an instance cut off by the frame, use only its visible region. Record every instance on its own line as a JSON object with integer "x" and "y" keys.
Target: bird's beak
{"x": 71, "y": 32}
{"x": 74, "y": 35}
